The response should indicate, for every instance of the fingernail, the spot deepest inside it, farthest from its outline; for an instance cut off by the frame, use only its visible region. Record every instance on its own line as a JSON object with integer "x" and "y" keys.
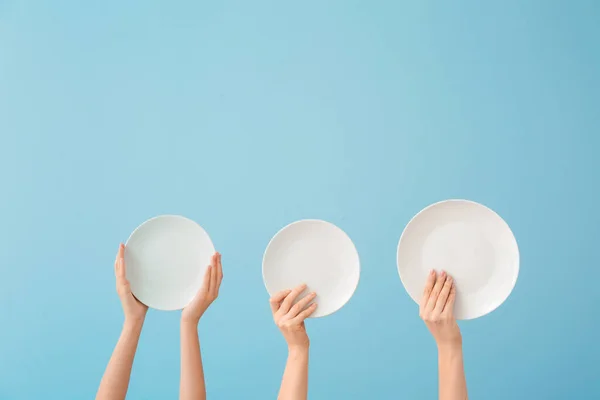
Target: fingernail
{"x": 443, "y": 273}
{"x": 313, "y": 294}
{"x": 432, "y": 272}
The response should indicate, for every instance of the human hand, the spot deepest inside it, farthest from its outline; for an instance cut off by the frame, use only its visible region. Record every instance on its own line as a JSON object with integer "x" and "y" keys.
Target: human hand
{"x": 437, "y": 310}
{"x": 208, "y": 292}
{"x": 290, "y": 317}
{"x": 133, "y": 309}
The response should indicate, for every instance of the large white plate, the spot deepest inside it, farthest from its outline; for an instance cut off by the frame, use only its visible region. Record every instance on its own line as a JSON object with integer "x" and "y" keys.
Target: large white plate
{"x": 165, "y": 260}
{"x": 317, "y": 253}
{"x": 470, "y": 242}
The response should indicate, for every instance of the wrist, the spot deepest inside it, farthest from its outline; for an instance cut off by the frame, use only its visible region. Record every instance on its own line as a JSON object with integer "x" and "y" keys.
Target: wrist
{"x": 133, "y": 324}
{"x": 189, "y": 322}
{"x": 298, "y": 349}
{"x": 449, "y": 349}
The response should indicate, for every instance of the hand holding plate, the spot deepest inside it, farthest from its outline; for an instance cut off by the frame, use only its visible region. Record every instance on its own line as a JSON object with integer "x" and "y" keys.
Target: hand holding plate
{"x": 133, "y": 309}
{"x": 209, "y": 291}
{"x": 290, "y": 317}
{"x": 437, "y": 310}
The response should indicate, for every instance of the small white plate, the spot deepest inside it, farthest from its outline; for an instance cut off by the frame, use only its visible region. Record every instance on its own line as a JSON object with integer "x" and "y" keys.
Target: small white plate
{"x": 165, "y": 260}
{"x": 317, "y": 253}
{"x": 471, "y": 243}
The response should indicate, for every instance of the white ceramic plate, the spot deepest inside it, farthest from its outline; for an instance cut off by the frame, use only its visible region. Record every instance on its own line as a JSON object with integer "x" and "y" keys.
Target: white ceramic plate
{"x": 165, "y": 260}
{"x": 469, "y": 241}
{"x": 317, "y": 253}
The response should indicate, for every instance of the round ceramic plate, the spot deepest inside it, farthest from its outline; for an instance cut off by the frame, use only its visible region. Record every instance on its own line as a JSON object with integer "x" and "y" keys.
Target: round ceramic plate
{"x": 165, "y": 260}
{"x": 470, "y": 242}
{"x": 317, "y": 253}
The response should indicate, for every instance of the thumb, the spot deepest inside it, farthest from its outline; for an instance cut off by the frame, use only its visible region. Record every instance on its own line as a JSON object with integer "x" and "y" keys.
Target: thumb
{"x": 204, "y": 288}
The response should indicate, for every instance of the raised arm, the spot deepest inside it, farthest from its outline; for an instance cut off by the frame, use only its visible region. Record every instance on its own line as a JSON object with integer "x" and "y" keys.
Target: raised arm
{"x": 437, "y": 310}
{"x": 192, "y": 386}
{"x": 290, "y": 317}
{"x": 116, "y": 377}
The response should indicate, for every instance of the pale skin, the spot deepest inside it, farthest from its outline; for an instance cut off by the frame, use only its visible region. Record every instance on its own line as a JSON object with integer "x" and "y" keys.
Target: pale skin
{"x": 192, "y": 386}
{"x": 289, "y": 317}
{"x": 116, "y": 377}
{"x": 437, "y": 311}
{"x": 115, "y": 380}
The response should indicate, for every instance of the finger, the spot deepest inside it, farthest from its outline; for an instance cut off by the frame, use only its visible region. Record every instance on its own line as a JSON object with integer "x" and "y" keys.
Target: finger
{"x": 118, "y": 256}
{"x": 206, "y": 282}
{"x": 449, "y": 307}
{"x": 428, "y": 288}
{"x": 117, "y": 259}
{"x": 121, "y": 272}
{"x": 299, "y": 306}
{"x": 213, "y": 276}
{"x": 219, "y": 272}
{"x": 276, "y": 300}
{"x": 435, "y": 292}
{"x": 290, "y": 298}
{"x": 443, "y": 297}
{"x": 304, "y": 314}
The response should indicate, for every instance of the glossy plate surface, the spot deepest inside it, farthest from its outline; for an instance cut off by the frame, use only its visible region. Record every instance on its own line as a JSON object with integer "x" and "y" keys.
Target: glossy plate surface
{"x": 165, "y": 259}
{"x": 317, "y": 253}
{"x": 469, "y": 241}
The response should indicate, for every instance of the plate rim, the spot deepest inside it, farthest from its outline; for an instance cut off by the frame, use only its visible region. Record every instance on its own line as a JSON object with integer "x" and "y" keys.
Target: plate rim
{"x": 457, "y": 200}
{"x": 300, "y": 221}
{"x": 162, "y": 216}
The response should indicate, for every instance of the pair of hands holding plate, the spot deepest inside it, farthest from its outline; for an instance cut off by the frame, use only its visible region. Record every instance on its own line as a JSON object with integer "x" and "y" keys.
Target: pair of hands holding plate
{"x": 135, "y": 311}
{"x": 115, "y": 381}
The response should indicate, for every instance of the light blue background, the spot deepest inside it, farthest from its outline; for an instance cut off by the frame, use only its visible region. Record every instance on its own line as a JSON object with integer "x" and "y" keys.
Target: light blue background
{"x": 248, "y": 115}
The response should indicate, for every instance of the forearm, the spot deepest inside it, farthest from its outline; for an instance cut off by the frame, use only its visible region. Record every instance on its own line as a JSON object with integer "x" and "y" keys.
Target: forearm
{"x": 116, "y": 377}
{"x": 294, "y": 385}
{"x": 192, "y": 385}
{"x": 452, "y": 382}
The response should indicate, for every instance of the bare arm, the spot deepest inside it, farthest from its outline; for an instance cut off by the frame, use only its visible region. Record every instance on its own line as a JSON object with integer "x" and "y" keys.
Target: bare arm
{"x": 290, "y": 320}
{"x": 192, "y": 374}
{"x": 116, "y": 377}
{"x": 437, "y": 310}
{"x": 294, "y": 385}
{"x": 115, "y": 380}
{"x": 192, "y": 386}
{"x": 452, "y": 382}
